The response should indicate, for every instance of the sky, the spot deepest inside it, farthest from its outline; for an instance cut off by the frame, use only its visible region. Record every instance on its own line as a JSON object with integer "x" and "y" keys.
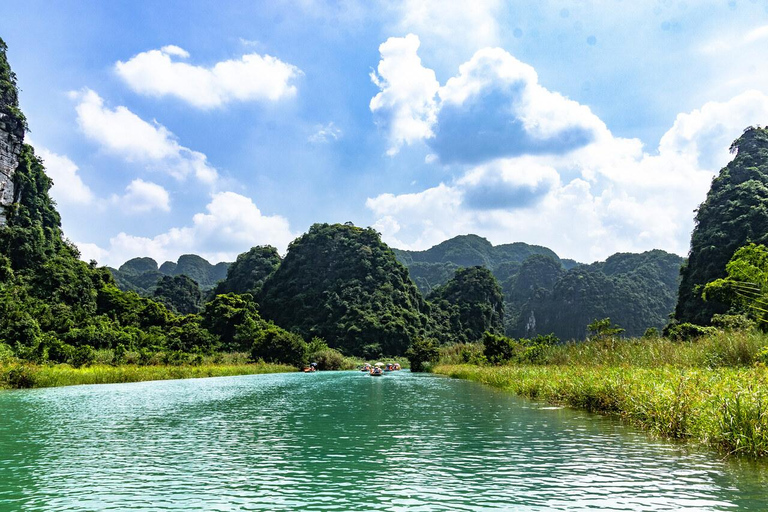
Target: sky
{"x": 590, "y": 127}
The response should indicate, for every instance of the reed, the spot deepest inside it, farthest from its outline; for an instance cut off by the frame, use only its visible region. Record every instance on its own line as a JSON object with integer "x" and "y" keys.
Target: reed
{"x": 23, "y": 375}
{"x": 726, "y": 408}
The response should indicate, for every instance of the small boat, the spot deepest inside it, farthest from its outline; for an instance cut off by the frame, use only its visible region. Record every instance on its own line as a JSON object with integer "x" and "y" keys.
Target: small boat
{"x": 366, "y": 368}
{"x": 397, "y": 367}
{"x": 389, "y": 367}
{"x": 376, "y": 371}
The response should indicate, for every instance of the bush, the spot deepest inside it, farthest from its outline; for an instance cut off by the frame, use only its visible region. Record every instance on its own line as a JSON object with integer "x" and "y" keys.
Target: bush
{"x": 733, "y": 322}
{"x": 20, "y": 377}
{"x": 422, "y": 352}
{"x": 82, "y": 356}
{"x": 276, "y": 345}
{"x": 688, "y": 331}
{"x": 498, "y": 349}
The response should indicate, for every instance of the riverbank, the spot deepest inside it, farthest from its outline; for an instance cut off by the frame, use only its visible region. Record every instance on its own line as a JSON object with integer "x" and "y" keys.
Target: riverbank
{"x": 725, "y": 408}
{"x": 24, "y": 375}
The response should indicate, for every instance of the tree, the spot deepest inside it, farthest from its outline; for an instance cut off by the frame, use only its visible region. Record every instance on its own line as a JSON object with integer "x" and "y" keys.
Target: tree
{"x": 602, "y": 330}
{"x": 734, "y": 213}
{"x": 180, "y": 294}
{"x": 422, "y": 352}
{"x": 746, "y": 283}
{"x": 470, "y": 303}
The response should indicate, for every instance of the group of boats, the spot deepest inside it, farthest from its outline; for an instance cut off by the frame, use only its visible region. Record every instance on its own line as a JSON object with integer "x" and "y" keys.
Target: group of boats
{"x": 379, "y": 369}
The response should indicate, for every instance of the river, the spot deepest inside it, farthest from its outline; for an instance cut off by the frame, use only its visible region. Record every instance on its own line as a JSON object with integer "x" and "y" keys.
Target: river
{"x": 343, "y": 441}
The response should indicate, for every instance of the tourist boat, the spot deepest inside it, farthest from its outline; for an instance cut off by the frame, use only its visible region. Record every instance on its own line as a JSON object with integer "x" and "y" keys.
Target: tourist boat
{"x": 366, "y": 368}
{"x": 389, "y": 367}
{"x": 397, "y": 367}
{"x": 376, "y": 371}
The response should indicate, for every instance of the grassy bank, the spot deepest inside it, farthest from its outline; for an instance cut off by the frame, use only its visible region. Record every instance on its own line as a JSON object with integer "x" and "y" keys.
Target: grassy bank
{"x": 713, "y": 390}
{"x": 23, "y": 375}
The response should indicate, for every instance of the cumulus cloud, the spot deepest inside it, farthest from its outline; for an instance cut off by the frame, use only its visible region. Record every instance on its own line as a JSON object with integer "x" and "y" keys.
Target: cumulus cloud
{"x": 231, "y": 224}
{"x": 121, "y": 132}
{"x": 142, "y": 197}
{"x": 252, "y": 77}
{"x": 406, "y": 106}
{"x": 461, "y": 24}
{"x": 68, "y": 186}
{"x": 325, "y": 133}
{"x": 607, "y": 196}
{"x": 494, "y": 107}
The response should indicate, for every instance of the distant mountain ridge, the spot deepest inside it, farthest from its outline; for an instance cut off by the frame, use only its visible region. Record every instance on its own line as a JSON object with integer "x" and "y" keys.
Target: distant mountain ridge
{"x": 542, "y": 292}
{"x": 546, "y": 294}
{"x": 142, "y": 274}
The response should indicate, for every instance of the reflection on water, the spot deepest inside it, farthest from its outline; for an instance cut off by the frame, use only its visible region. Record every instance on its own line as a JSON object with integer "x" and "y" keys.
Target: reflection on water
{"x": 342, "y": 441}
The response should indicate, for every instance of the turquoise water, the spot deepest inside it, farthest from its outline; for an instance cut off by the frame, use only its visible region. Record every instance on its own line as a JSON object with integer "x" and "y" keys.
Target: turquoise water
{"x": 342, "y": 441}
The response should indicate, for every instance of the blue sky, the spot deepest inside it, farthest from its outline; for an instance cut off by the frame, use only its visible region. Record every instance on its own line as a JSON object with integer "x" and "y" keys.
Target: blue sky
{"x": 210, "y": 127}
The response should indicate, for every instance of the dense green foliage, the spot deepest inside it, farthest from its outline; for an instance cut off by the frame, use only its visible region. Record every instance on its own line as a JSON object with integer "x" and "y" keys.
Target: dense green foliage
{"x": 421, "y": 353}
{"x": 249, "y": 272}
{"x": 544, "y": 294}
{"x": 142, "y": 275}
{"x": 180, "y": 294}
{"x": 746, "y": 285}
{"x": 343, "y": 284}
{"x": 434, "y": 267}
{"x": 635, "y": 290}
{"x": 734, "y": 213}
{"x": 467, "y": 306}
{"x": 9, "y": 96}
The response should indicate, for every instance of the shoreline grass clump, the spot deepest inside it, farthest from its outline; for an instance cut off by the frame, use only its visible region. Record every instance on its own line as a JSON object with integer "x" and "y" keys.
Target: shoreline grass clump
{"x": 712, "y": 390}
{"x": 26, "y": 375}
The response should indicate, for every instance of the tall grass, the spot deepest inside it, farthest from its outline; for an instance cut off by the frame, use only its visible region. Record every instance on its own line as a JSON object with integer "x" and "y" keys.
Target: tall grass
{"x": 726, "y": 408}
{"x": 22, "y": 375}
{"x": 713, "y": 389}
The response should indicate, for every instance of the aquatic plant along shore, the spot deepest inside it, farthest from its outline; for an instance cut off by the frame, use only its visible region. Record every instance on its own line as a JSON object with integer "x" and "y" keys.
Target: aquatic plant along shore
{"x": 25, "y": 375}
{"x": 724, "y": 408}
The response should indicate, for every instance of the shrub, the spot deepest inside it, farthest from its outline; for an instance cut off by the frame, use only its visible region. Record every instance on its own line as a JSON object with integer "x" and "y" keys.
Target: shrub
{"x": 422, "y": 352}
{"x": 688, "y": 331}
{"x": 20, "y": 377}
{"x": 82, "y": 356}
{"x": 276, "y": 345}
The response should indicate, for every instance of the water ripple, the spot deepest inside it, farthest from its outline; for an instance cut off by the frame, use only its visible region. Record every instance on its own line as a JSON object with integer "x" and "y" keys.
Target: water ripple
{"x": 341, "y": 441}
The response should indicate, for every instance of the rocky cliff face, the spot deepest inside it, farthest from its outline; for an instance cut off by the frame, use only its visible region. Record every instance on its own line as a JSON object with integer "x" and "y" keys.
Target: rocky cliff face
{"x": 12, "y": 127}
{"x": 11, "y": 138}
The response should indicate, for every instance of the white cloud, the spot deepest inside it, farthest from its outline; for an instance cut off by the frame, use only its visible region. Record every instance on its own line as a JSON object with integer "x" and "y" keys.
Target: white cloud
{"x": 325, "y": 133}
{"x": 252, "y": 77}
{"x": 607, "y": 196}
{"x": 143, "y": 197}
{"x": 121, "y": 132}
{"x": 231, "y": 224}
{"x": 493, "y": 107}
{"x": 68, "y": 186}
{"x": 463, "y": 25}
{"x": 405, "y": 107}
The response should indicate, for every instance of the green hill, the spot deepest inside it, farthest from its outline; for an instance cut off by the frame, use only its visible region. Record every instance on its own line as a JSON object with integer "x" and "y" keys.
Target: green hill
{"x": 734, "y": 213}
{"x": 141, "y": 275}
{"x": 343, "y": 284}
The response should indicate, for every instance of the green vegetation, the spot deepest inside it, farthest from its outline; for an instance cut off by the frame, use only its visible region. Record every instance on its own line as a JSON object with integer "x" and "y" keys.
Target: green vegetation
{"x": 734, "y": 214}
{"x": 343, "y": 284}
{"x": 543, "y": 294}
{"x": 468, "y": 305}
{"x": 711, "y": 389}
{"x": 141, "y": 275}
{"x": 180, "y": 294}
{"x": 43, "y": 376}
{"x": 249, "y": 272}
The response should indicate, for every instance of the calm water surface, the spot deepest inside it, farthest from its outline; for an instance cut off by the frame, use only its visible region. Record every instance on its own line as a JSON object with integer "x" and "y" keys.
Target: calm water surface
{"x": 342, "y": 441}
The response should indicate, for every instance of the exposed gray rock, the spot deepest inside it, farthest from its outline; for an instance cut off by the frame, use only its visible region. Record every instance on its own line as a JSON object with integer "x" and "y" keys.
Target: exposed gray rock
{"x": 11, "y": 139}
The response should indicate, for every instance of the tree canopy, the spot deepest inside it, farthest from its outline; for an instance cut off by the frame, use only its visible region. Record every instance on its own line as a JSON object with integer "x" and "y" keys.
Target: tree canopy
{"x": 734, "y": 213}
